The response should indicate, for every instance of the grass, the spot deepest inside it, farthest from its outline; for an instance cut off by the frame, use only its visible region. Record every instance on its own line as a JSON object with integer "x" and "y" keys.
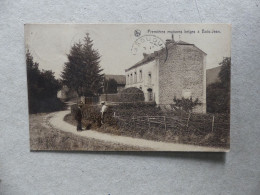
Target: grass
{"x": 44, "y": 137}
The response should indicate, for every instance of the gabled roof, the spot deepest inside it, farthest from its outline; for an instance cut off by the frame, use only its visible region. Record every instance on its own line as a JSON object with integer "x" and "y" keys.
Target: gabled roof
{"x": 120, "y": 79}
{"x": 150, "y": 57}
{"x": 183, "y": 43}
{"x": 147, "y": 58}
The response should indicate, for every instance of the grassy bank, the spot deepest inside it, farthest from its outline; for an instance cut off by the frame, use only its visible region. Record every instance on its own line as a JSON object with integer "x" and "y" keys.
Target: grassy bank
{"x": 44, "y": 137}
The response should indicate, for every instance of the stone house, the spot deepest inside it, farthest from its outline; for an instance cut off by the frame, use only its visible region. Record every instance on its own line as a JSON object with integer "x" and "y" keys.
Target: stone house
{"x": 178, "y": 70}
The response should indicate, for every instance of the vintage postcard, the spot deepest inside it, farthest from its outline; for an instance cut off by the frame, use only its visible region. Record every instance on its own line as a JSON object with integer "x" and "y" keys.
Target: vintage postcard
{"x": 129, "y": 87}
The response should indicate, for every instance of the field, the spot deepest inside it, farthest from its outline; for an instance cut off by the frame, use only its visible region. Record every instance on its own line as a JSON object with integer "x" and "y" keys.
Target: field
{"x": 149, "y": 122}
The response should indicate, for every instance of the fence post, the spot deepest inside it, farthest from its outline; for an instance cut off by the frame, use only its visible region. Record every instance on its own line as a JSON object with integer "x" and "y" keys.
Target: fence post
{"x": 213, "y": 118}
{"x": 165, "y": 126}
{"x": 133, "y": 119}
{"x": 148, "y": 122}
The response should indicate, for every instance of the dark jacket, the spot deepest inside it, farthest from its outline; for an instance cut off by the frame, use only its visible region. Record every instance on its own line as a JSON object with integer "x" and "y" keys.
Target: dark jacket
{"x": 78, "y": 114}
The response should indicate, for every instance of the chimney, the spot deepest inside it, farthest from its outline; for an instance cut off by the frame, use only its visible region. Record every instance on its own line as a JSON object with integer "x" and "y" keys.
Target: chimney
{"x": 168, "y": 41}
{"x": 145, "y": 55}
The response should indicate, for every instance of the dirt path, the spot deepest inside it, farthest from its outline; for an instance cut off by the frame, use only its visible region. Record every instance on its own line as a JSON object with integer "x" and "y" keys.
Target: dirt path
{"x": 56, "y": 120}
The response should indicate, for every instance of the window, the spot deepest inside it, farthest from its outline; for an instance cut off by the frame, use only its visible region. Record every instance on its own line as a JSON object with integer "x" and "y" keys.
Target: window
{"x": 149, "y": 78}
{"x": 131, "y": 79}
{"x": 140, "y": 75}
{"x": 127, "y": 80}
{"x": 135, "y": 78}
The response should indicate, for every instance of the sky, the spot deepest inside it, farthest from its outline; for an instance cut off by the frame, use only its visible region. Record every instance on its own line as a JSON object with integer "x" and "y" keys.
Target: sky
{"x": 119, "y": 45}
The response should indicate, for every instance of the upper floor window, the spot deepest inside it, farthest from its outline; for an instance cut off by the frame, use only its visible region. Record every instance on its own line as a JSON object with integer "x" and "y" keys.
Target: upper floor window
{"x": 149, "y": 78}
{"x": 135, "y": 77}
{"x": 131, "y": 79}
{"x": 140, "y": 75}
{"x": 127, "y": 80}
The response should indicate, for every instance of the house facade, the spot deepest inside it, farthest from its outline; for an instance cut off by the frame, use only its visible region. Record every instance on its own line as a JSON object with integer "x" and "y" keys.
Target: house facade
{"x": 178, "y": 70}
{"x": 145, "y": 77}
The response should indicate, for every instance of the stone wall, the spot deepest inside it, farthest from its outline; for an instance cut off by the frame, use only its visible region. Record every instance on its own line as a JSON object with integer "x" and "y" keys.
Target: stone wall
{"x": 182, "y": 73}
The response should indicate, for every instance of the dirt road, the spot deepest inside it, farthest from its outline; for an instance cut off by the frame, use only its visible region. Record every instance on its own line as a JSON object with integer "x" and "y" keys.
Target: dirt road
{"x": 56, "y": 120}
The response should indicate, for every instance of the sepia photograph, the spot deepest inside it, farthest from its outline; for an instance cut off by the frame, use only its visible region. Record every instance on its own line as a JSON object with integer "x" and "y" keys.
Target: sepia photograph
{"x": 128, "y": 87}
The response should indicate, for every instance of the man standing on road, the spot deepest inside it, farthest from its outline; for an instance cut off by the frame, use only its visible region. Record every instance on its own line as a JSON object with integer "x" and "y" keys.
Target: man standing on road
{"x": 103, "y": 111}
{"x": 78, "y": 116}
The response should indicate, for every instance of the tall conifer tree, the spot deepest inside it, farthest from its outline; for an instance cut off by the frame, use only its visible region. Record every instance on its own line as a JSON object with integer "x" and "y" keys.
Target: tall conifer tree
{"x": 82, "y": 72}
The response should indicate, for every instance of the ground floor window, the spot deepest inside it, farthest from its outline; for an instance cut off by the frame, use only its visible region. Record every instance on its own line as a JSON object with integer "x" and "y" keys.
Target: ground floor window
{"x": 150, "y": 94}
{"x": 149, "y": 78}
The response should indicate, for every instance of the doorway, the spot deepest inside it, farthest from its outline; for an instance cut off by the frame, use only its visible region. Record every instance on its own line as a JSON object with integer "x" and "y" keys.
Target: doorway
{"x": 150, "y": 94}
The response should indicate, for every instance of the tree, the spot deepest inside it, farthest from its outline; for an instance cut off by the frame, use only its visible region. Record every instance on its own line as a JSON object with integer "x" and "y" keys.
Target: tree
{"x": 33, "y": 74}
{"x": 41, "y": 84}
{"x": 225, "y": 72}
{"x": 82, "y": 72}
{"x": 218, "y": 94}
{"x": 42, "y": 88}
{"x": 110, "y": 86}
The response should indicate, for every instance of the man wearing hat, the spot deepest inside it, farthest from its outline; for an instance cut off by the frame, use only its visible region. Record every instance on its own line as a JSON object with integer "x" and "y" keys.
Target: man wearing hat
{"x": 103, "y": 111}
{"x": 78, "y": 116}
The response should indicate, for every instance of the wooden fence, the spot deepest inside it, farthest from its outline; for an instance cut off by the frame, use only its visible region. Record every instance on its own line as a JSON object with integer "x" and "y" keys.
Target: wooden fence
{"x": 202, "y": 125}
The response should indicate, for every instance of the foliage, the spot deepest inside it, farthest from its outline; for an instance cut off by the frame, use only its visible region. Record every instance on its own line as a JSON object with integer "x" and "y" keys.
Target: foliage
{"x": 110, "y": 86}
{"x": 90, "y": 113}
{"x": 225, "y": 72}
{"x": 42, "y": 88}
{"x": 82, "y": 72}
{"x": 132, "y": 94}
{"x": 136, "y": 105}
{"x": 185, "y": 104}
{"x": 218, "y": 94}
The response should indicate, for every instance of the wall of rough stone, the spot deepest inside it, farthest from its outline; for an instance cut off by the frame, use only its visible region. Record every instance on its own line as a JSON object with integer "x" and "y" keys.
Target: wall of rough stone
{"x": 182, "y": 74}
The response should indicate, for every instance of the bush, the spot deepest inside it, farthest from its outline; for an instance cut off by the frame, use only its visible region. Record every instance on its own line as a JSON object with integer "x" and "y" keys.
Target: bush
{"x": 185, "y": 104}
{"x": 92, "y": 114}
{"x": 45, "y": 105}
{"x": 135, "y": 105}
{"x": 131, "y": 94}
{"x": 218, "y": 98}
{"x": 128, "y": 110}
